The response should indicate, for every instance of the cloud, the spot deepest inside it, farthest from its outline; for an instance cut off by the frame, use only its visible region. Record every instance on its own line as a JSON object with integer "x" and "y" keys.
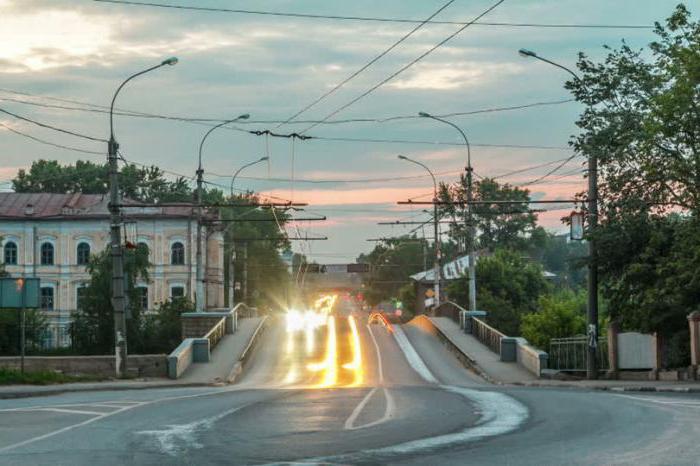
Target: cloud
{"x": 451, "y": 76}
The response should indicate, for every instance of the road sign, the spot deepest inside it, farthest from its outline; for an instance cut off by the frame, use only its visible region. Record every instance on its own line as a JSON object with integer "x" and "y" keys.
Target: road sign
{"x": 337, "y": 268}
{"x": 17, "y": 293}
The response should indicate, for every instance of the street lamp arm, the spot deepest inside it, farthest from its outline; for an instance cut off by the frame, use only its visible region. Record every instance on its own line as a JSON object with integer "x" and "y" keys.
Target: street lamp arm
{"x": 249, "y": 164}
{"x": 402, "y": 157}
{"x": 464, "y": 136}
{"x": 170, "y": 61}
{"x": 206, "y": 135}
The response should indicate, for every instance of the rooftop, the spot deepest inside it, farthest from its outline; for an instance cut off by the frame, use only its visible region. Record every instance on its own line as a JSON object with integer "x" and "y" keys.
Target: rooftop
{"x": 56, "y": 206}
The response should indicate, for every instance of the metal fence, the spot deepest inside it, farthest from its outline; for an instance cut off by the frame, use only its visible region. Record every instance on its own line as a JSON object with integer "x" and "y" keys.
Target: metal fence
{"x": 487, "y": 335}
{"x": 569, "y": 354}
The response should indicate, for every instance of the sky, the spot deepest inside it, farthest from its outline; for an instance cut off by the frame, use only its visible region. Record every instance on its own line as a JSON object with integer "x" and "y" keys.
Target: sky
{"x": 273, "y": 66}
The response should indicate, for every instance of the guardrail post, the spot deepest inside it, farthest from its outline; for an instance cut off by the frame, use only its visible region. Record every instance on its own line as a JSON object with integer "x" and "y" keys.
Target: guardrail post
{"x": 509, "y": 349}
{"x": 694, "y": 322}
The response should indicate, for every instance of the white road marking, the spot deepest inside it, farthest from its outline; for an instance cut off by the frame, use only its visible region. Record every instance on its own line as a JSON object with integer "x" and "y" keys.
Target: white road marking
{"x": 71, "y": 411}
{"x": 185, "y": 434}
{"x": 350, "y": 422}
{"x": 412, "y": 357}
{"x": 664, "y": 401}
{"x": 105, "y": 415}
{"x": 62, "y": 430}
{"x": 380, "y": 370}
{"x": 390, "y": 406}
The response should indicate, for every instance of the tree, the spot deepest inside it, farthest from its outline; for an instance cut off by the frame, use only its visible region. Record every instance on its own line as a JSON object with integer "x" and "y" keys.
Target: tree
{"x": 642, "y": 123}
{"x": 146, "y": 184}
{"x": 163, "y": 329}
{"x": 509, "y": 287}
{"x": 497, "y": 225}
{"x": 92, "y": 331}
{"x": 260, "y": 230}
{"x": 392, "y": 262}
{"x": 559, "y": 315}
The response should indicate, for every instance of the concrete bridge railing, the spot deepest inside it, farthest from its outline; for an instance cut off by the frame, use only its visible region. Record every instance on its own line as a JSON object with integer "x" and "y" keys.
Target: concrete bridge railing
{"x": 510, "y": 349}
{"x": 201, "y": 332}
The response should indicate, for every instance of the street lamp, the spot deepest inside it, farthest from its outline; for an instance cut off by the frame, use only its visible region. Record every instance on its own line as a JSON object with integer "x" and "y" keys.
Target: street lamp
{"x": 436, "y": 264}
{"x": 245, "y": 251}
{"x": 592, "y": 317}
{"x": 199, "y": 293}
{"x": 118, "y": 300}
{"x": 468, "y": 220}
{"x": 250, "y": 164}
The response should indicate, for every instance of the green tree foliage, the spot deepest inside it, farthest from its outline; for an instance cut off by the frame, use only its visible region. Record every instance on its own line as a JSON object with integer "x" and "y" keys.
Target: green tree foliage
{"x": 509, "y": 287}
{"x": 497, "y": 225}
{"x": 92, "y": 330}
{"x": 391, "y": 264}
{"x": 567, "y": 259}
{"x": 147, "y": 184}
{"x": 559, "y": 315}
{"x": 10, "y": 331}
{"x": 642, "y": 122}
{"x": 163, "y": 329}
{"x": 260, "y": 231}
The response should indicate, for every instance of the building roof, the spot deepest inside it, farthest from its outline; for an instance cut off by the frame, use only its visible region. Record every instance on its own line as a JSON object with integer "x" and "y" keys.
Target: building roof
{"x": 50, "y": 206}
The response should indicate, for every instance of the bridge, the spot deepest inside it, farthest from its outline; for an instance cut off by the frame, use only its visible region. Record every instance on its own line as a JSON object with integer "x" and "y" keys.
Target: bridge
{"x": 338, "y": 385}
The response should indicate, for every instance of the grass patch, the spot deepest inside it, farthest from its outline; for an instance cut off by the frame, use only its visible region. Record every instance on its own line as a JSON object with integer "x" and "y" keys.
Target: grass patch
{"x": 15, "y": 377}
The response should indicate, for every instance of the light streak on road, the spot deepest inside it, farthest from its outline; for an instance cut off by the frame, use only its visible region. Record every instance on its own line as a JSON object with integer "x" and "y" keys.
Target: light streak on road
{"x": 356, "y": 364}
{"x": 330, "y": 361}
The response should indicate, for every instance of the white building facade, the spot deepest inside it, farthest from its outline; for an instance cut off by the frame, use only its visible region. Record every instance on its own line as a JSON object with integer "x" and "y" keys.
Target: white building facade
{"x": 51, "y": 236}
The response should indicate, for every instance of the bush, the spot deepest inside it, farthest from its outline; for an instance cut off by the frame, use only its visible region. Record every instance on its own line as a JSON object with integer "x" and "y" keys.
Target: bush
{"x": 560, "y": 315}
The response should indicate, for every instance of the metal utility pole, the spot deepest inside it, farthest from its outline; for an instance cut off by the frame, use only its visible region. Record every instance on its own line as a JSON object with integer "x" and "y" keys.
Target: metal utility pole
{"x": 436, "y": 233}
{"x": 231, "y": 233}
{"x": 592, "y": 315}
{"x": 468, "y": 217}
{"x": 116, "y": 251}
{"x": 199, "y": 292}
{"x": 245, "y": 271}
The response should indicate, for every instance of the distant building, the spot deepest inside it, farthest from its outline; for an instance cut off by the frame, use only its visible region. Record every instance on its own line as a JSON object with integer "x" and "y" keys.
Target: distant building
{"x": 51, "y": 236}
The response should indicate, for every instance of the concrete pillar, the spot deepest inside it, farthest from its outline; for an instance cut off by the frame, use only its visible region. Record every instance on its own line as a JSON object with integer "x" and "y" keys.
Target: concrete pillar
{"x": 613, "y": 360}
{"x": 694, "y": 322}
{"x": 509, "y": 349}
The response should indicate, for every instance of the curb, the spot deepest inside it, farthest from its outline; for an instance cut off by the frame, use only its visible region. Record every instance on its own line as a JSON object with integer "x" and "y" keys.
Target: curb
{"x": 619, "y": 389}
{"x": 62, "y": 390}
{"x": 238, "y": 368}
{"x": 466, "y": 360}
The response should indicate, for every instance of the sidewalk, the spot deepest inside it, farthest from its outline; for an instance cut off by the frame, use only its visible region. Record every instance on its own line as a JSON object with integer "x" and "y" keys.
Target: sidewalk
{"x": 619, "y": 385}
{"x": 224, "y": 358}
{"x": 488, "y": 361}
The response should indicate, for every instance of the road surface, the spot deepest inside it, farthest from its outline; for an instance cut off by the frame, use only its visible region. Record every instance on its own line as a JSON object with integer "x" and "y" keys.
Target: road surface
{"x": 345, "y": 392}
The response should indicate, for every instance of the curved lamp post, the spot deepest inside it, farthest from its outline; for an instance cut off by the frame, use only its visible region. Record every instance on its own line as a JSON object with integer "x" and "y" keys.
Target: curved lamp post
{"x": 436, "y": 264}
{"x": 118, "y": 301}
{"x": 199, "y": 293}
{"x": 592, "y": 315}
{"x": 245, "y": 251}
{"x": 468, "y": 212}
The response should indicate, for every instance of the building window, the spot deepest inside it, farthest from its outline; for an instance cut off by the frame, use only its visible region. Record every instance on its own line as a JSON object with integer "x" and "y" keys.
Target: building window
{"x": 83, "y": 252}
{"x": 177, "y": 254}
{"x": 177, "y": 292}
{"x": 142, "y": 297}
{"x": 47, "y": 298}
{"x": 47, "y": 254}
{"x": 142, "y": 248}
{"x": 80, "y": 297}
{"x": 11, "y": 253}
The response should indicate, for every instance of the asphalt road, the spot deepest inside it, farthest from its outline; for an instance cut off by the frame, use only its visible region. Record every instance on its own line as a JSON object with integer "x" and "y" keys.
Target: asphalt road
{"x": 345, "y": 392}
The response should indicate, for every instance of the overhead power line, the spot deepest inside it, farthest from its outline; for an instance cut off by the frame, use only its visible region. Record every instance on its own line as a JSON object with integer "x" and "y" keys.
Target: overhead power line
{"x": 374, "y": 19}
{"x": 367, "y": 65}
{"x": 49, "y": 143}
{"x": 53, "y": 128}
{"x": 406, "y": 66}
{"x": 130, "y": 113}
